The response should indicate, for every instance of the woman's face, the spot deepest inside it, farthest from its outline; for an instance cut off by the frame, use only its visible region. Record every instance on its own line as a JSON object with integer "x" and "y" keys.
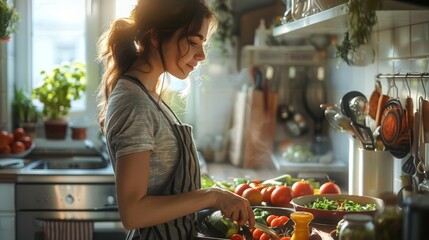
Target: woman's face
{"x": 191, "y": 48}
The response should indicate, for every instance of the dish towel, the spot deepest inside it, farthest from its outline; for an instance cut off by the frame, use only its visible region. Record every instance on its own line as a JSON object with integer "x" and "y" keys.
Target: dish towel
{"x": 68, "y": 230}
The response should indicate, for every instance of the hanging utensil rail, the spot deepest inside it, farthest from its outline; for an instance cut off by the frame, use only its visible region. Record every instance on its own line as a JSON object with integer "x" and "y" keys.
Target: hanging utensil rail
{"x": 404, "y": 75}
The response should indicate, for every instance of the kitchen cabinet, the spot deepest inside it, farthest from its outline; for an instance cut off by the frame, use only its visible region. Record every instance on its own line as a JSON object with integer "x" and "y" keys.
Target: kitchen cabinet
{"x": 7, "y": 211}
{"x": 334, "y": 20}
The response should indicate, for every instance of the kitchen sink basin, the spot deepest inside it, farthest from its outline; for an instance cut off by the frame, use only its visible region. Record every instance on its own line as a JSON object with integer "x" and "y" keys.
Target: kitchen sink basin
{"x": 80, "y": 163}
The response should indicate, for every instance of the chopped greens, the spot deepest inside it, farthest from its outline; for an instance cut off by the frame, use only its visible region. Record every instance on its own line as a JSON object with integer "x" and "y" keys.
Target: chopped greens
{"x": 340, "y": 205}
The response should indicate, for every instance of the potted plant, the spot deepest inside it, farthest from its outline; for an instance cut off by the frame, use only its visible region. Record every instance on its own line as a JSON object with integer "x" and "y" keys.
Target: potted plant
{"x": 9, "y": 17}
{"x": 60, "y": 86}
{"x": 25, "y": 113}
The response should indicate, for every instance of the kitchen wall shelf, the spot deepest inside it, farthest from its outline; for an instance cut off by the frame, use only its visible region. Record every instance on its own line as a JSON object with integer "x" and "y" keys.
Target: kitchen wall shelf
{"x": 334, "y": 20}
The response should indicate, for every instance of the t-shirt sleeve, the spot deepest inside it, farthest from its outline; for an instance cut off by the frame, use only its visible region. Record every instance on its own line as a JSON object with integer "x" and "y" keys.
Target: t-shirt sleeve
{"x": 131, "y": 123}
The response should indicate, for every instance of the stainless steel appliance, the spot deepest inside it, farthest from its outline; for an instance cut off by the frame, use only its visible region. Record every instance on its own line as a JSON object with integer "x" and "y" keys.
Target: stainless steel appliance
{"x": 37, "y": 203}
{"x": 71, "y": 191}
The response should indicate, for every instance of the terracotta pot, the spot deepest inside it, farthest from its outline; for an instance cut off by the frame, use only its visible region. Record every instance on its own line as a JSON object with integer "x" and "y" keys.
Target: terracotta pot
{"x": 56, "y": 129}
{"x": 78, "y": 133}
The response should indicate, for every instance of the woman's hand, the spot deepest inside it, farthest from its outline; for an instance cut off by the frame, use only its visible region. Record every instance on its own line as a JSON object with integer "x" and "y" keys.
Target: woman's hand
{"x": 234, "y": 207}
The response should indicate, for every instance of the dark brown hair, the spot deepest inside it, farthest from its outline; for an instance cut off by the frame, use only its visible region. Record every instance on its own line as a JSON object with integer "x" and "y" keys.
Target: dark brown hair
{"x": 130, "y": 38}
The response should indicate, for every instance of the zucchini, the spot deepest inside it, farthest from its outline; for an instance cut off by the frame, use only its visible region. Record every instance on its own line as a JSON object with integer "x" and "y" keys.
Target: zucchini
{"x": 221, "y": 226}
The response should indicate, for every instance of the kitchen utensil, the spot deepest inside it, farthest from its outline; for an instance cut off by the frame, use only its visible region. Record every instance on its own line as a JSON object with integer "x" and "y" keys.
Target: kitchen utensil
{"x": 315, "y": 94}
{"x": 373, "y": 100}
{"x": 354, "y": 105}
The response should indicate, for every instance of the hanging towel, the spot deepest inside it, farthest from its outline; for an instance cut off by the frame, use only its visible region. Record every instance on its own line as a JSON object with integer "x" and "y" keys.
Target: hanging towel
{"x": 68, "y": 230}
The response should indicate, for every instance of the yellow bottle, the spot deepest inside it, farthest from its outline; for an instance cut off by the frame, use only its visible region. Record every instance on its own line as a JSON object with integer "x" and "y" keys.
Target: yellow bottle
{"x": 302, "y": 221}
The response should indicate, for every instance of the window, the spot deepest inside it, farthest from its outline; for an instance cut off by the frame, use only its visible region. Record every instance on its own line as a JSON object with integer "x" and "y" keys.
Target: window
{"x": 58, "y": 32}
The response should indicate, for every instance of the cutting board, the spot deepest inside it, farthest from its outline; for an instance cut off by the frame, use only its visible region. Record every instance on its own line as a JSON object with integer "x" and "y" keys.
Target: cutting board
{"x": 254, "y": 126}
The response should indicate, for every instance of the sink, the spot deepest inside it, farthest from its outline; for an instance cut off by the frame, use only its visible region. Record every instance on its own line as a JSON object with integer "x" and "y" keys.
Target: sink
{"x": 78, "y": 163}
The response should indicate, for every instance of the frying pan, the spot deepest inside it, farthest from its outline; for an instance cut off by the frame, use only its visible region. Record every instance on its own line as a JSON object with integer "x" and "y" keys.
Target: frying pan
{"x": 394, "y": 130}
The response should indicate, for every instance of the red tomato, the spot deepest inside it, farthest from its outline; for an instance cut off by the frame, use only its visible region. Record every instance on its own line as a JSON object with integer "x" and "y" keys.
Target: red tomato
{"x": 271, "y": 218}
{"x": 275, "y": 222}
{"x": 5, "y": 138}
{"x": 329, "y": 187}
{"x": 18, "y": 147}
{"x": 302, "y": 188}
{"x": 284, "y": 238}
{"x": 239, "y": 189}
{"x": 237, "y": 237}
{"x": 265, "y": 236}
{"x": 283, "y": 220}
{"x": 6, "y": 149}
{"x": 281, "y": 196}
{"x": 257, "y": 234}
{"x": 19, "y": 133}
{"x": 27, "y": 141}
{"x": 266, "y": 194}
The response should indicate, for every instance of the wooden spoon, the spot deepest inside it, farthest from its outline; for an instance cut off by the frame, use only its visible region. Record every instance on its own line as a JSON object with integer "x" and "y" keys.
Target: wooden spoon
{"x": 373, "y": 100}
{"x": 381, "y": 101}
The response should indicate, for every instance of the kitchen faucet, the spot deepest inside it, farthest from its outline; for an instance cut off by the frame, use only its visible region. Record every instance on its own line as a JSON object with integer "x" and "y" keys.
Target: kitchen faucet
{"x": 101, "y": 150}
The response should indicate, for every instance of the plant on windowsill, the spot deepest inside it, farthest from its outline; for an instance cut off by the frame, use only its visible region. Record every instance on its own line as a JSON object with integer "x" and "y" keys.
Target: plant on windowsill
{"x": 24, "y": 112}
{"x": 9, "y": 17}
{"x": 60, "y": 87}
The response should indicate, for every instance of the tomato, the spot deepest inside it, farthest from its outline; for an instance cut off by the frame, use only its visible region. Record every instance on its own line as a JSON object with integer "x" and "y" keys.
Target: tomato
{"x": 275, "y": 222}
{"x": 239, "y": 189}
{"x": 302, "y": 188}
{"x": 266, "y": 194}
{"x": 237, "y": 237}
{"x": 283, "y": 220}
{"x": 257, "y": 234}
{"x": 5, "y": 138}
{"x": 265, "y": 236}
{"x": 6, "y": 149}
{"x": 281, "y": 196}
{"x": 18, "y": 147}
{"x": 253, "y": 195}
{"x": 19, "y": 133}
{"x": 329, "y": 188}
{"x": 284, "y": 238}
{"x": 27, "y": 141}
{"x": 270, "y": 218}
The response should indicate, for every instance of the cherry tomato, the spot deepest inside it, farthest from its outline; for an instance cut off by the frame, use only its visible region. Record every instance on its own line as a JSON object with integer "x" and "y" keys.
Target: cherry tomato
{"x": 270, "y": 218}
{"x": 283, "y": 220}
{"x": 237, "y": 237}
{"x": 329, "y": 188}
{"x": 302, "y": 188}
{"x": 257, "y": 234}
{"x": 265, "y": 236}
{"x": 281, "y": 196}
{"x": 275, "y": 222}
{"x": 239, "y": 189}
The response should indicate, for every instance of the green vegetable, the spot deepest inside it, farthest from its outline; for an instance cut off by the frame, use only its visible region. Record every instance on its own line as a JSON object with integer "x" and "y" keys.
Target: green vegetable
{"x": 221, "y": 226}
{"x": 339, "y": 205}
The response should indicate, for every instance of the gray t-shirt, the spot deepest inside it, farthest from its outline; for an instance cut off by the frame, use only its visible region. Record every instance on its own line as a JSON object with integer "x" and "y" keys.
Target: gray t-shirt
{"x": 134, "y": 124}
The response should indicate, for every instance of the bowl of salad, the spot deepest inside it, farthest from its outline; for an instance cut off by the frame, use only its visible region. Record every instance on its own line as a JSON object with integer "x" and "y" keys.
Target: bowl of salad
{"x": 330, "y": 208}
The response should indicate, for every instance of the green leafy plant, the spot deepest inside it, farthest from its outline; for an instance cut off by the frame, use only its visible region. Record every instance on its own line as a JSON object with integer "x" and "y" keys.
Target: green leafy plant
{"x": 362, "y": 17}
{"x": 24, "y": 111}
{"x": 60, "y": 86}
{"x": 9, "y": 17}
{"x": 225, "y": 20}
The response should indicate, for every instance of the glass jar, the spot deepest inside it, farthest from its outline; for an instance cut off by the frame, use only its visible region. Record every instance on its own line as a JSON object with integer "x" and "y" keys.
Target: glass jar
{"x": 357, "y": 227}
{"x": 389, "y": 222}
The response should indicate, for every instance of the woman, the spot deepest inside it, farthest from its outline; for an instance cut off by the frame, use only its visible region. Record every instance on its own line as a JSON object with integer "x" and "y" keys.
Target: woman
{"x": 152, "y": 152}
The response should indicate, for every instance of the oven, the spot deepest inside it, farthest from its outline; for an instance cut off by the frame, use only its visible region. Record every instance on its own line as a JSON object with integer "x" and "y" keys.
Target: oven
{"x": 40, "y": 203}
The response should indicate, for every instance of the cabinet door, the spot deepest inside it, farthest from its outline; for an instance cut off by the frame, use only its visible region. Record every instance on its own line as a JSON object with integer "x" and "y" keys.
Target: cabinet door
{"x": 7, "y": 226}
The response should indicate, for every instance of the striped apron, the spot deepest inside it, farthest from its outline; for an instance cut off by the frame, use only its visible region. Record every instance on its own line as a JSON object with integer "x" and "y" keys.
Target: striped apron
{"x": 186, "y": 178}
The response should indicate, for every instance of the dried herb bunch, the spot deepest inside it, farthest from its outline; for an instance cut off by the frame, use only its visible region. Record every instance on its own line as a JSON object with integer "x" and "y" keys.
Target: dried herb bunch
{"x": 361, "y": 19}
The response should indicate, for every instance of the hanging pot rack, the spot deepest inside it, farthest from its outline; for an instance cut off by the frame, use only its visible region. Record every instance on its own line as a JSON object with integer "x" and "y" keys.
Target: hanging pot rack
{"x": 404, "y": 75}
